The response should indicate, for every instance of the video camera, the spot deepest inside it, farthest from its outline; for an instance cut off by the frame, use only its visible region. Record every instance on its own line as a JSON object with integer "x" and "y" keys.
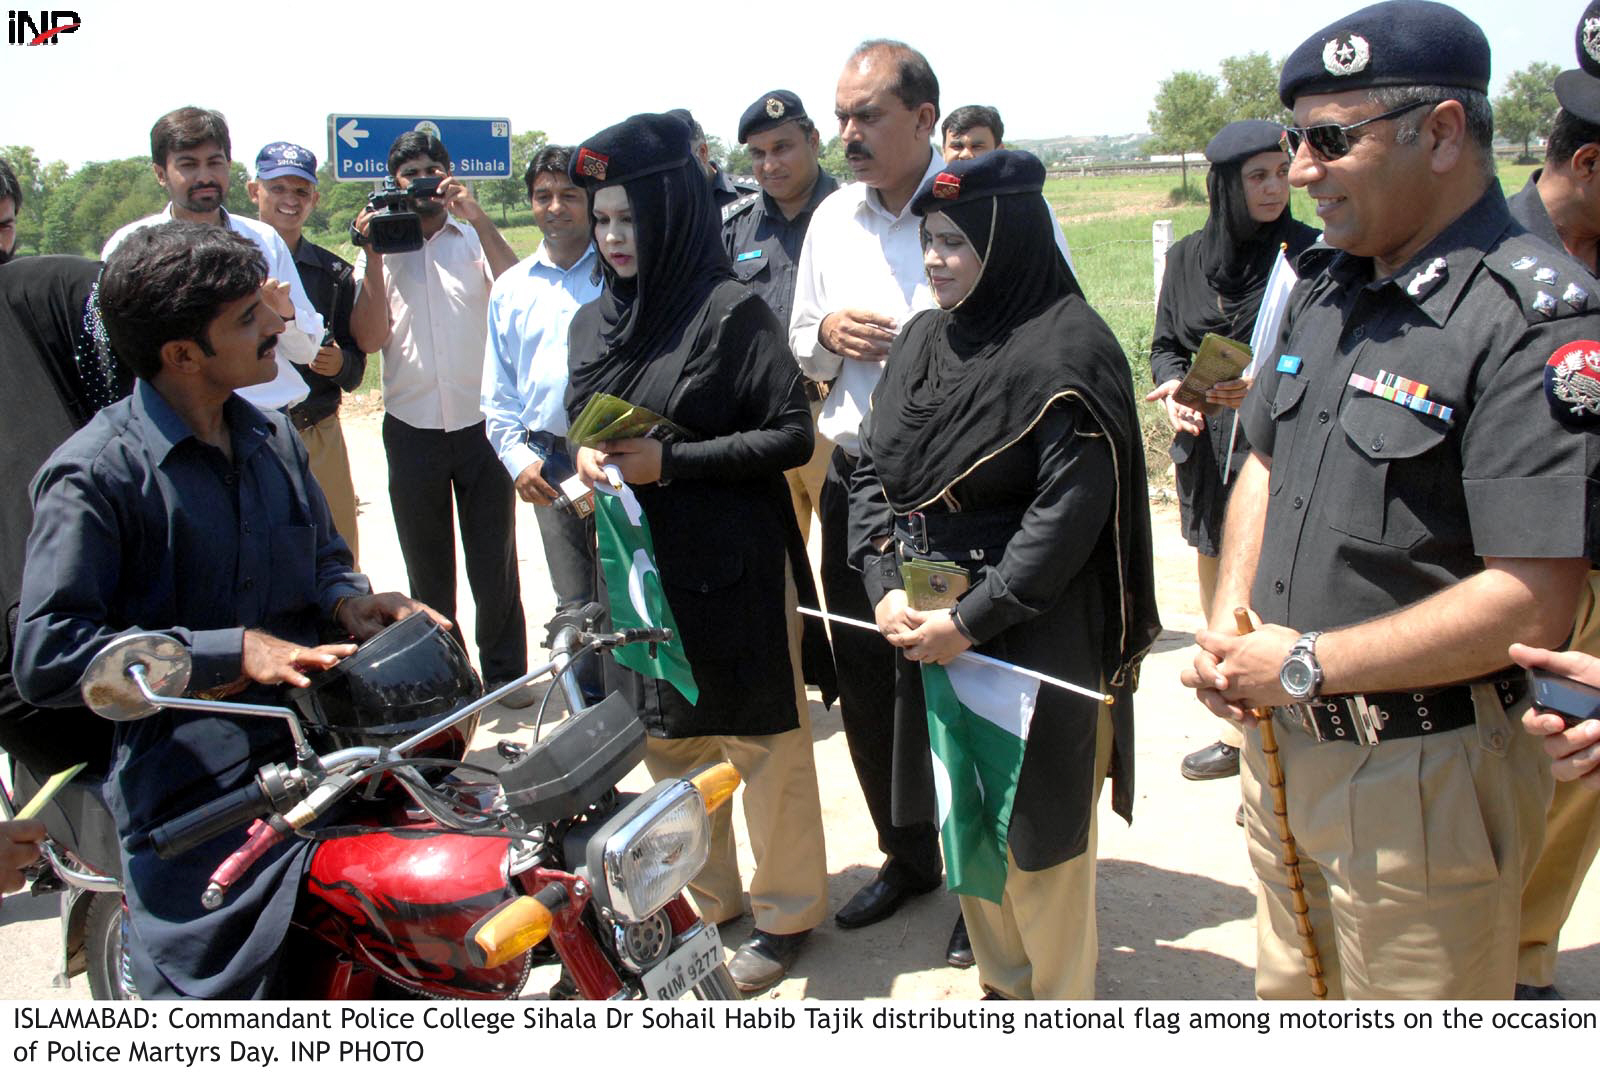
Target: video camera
{"x": 395, "y": 226}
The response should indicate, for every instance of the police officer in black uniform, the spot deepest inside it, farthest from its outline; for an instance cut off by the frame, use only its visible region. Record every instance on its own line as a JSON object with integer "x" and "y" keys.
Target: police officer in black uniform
{"x": 763, "y": 231}
{"x": 1561, "y": 204}
{"x": 1413, "y": 504}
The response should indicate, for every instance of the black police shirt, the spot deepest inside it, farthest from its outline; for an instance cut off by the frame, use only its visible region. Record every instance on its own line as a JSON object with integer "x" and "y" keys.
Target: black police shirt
{"x": 765, "y": 246}
{"x": 1408, "y": 424}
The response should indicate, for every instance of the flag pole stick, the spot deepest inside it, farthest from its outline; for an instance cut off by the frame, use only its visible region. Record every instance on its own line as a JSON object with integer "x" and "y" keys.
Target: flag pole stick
{"x": 1104, "y": 697}
{"x": 1291, "y": 855}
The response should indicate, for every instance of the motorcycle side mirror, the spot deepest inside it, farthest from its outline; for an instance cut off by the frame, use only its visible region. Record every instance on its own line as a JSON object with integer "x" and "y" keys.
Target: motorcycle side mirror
{"x": 109, "y": 686}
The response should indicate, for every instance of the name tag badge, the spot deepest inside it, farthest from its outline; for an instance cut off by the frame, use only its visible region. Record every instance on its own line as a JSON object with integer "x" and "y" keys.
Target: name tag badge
{"x": 754, "y": 254}
{"x": 1289, "y": 365}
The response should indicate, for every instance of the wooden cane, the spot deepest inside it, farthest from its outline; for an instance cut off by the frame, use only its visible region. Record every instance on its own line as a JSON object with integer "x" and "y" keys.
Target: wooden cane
{"x": 1280, "y": 808}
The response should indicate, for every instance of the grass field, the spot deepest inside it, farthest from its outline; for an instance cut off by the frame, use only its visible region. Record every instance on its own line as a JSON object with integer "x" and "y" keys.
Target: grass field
{"x": 1107, "y": 221}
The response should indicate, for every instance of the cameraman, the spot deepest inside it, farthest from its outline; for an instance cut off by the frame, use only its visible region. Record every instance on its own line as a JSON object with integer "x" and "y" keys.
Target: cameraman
{"x": 428, "y": 310}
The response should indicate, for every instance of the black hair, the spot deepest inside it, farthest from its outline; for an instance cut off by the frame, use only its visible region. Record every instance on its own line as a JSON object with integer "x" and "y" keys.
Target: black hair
{"x": 969, "y": 116}
{"x": 1568, "y": 134}
{"x": 552, "y": 158}
{"x": 10, "y": 188}
{"x": 186, "y": 128}
{"x": 415, "y": 143}
{"x": 915, "y": 83}
{"x": 168, "y": 282}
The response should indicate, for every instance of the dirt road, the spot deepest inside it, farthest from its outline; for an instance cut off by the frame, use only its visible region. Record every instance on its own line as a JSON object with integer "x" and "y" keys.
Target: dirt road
{"x": 1176, "y": 895}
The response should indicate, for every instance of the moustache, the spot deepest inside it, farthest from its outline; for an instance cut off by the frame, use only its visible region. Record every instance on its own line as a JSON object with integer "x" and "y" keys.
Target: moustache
{"x": 266, "y": 347}
{"x": 207, "y": 188}
{"x": 857, "y": 151}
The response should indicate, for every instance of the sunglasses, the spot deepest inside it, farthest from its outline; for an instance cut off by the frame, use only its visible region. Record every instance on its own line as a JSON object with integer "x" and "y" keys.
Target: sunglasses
{"x": 1330, "y": 141}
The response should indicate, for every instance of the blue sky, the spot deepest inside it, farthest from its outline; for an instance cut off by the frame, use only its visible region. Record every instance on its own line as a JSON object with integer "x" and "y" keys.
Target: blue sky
{"x": 277, "y": 69}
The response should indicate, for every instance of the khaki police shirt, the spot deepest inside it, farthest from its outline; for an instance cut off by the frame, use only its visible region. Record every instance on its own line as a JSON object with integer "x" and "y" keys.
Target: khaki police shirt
{"x": 1374, "y": 504}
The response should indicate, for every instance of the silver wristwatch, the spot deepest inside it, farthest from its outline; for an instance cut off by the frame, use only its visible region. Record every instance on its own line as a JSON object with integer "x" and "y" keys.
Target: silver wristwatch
{"x": 1301, "y": 674}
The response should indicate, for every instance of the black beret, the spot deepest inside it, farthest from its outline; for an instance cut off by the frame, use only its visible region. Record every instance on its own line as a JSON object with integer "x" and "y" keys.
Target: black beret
{"x": 1579, "y": 93}
{"x": 1004, "y": 171}
{"x": 639, "y": 145}
{"x": 1588, "y": 38}
{"x": 1242, "y": 139}
{"x": 774, "y": 109}
{"x": 1396, "y": 43}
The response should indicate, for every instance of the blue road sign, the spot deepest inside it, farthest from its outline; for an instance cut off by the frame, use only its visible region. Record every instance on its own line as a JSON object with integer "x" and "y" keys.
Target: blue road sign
{"x": 358, "y": 145}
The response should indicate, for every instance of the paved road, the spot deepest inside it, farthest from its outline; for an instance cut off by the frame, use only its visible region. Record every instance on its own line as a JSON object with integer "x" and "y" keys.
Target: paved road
{"x": 1176, "y": 894}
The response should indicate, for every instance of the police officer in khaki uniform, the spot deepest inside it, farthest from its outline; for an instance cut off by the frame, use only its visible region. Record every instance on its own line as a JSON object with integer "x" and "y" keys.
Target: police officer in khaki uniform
{"x": 1561, "y": 204}
{"x": 763, "y": 233}
{"x": 1411, "y": 507}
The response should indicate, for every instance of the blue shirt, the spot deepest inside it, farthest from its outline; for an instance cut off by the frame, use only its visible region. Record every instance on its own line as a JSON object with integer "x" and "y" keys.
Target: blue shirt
{"x": 138, "y": 524}
{"x": 525, "y": 358}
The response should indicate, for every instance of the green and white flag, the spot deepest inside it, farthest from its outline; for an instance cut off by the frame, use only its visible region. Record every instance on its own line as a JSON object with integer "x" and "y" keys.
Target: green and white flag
{"x": 628, "y": 561}
{"x": 978, "y": 719}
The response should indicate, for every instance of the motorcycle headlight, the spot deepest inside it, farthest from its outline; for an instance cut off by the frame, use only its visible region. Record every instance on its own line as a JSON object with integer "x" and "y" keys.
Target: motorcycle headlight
{"x": 650, "y": 850}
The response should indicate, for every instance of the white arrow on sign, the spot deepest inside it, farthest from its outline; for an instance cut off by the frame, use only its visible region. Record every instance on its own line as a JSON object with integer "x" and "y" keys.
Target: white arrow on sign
{"x": 352, "y": 134}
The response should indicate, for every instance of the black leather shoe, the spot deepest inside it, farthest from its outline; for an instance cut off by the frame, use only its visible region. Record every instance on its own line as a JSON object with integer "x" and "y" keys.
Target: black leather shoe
{"x": 958, "y": 954}
{"x": 1216, "y": 760}
{"x": 1529, "y": 992}
{"x": 765, "y": 958}
{"x": 876, "y": 901}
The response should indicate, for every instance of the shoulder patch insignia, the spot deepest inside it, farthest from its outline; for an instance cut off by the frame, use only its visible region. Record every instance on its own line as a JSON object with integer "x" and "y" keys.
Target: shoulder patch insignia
{"x": 1572, "y": 384}
{"x": 734, "y": 208}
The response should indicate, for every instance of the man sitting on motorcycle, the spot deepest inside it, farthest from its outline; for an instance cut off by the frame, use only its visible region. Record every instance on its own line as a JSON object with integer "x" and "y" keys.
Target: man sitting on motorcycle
{"x": 186, "y": 510}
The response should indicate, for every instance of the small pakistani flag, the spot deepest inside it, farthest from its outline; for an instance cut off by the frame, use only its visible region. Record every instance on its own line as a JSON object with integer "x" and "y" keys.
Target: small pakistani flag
{"x": 628, "y": 561}
{"x": 978, "y": 718}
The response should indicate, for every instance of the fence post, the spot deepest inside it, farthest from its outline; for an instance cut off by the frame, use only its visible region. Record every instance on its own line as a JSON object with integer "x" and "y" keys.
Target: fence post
{"x": 1160, "y": 242}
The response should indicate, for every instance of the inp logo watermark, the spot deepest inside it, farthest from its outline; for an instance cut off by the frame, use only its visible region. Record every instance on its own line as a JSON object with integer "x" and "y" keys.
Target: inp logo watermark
{"x": 48, "y": 29}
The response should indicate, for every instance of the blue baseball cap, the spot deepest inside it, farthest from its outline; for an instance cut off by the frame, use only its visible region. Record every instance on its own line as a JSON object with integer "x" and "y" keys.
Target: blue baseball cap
{"x": 286, "y": 158}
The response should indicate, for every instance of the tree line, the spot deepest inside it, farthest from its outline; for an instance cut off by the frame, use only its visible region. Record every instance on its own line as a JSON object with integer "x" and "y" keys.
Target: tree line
{"x": 67, "y": 211}
{"x": 1191, "y": 106}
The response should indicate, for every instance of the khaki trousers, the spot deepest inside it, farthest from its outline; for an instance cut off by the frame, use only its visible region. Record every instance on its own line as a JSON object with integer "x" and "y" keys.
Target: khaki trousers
{"x": 805, "y": 481}
{"x": 782, "y": 809}
{"x": 1572, "y": 835}
{"x": 330, "y": 464}
{"x": 1414, "y": 854}
{"x": 1041, "y": 942}
{"x": 1230, "y": 734}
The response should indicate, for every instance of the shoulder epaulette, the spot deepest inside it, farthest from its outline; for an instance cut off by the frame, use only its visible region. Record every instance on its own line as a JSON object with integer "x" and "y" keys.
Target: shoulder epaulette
{"x": 1548, "y": 283}
{"x": 733, "y": 208}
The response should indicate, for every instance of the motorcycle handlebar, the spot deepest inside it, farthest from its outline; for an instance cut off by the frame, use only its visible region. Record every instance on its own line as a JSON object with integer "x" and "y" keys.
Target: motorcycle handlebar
{"x": 199, "y": 825}
{"x": 626, "y": 636}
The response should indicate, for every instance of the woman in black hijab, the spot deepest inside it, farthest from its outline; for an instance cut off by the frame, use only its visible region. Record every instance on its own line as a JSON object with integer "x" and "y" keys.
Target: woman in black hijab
{"x": 673, "y": 332}
{"x": 1213, "y": 284}
{"x": 1004, "y": 438}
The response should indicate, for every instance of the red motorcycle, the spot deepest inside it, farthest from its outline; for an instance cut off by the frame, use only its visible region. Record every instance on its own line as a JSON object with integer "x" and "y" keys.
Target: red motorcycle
{"x": 444, "y": 887}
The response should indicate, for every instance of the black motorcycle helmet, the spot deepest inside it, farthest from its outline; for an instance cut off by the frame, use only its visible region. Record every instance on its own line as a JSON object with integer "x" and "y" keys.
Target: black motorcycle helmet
{"x": 407, "y": 676}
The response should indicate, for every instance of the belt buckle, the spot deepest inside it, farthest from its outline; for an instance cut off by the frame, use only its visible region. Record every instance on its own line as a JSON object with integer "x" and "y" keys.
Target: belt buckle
{"x": 1302, "y": 711}
{"x": 917, "y": 528}
{"x": 1366, "y": 720}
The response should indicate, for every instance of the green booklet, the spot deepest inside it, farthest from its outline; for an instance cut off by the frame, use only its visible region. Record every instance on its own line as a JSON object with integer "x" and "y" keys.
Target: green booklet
{"x": 609, "y": 417}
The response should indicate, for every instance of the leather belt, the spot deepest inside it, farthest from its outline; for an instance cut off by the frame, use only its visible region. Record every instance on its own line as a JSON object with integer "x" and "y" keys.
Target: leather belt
{"x": 1374, "y": 717}
{"x": 816, "y": 390}
{"x": 967, "y": 534}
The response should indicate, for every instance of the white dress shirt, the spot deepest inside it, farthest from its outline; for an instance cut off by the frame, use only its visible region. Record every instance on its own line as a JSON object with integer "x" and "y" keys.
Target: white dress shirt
{"x": 525, "y": 360}
{"x": 438, "y": 315}
{"x": 299, "y": 341}
{"x": 857, "y": 255}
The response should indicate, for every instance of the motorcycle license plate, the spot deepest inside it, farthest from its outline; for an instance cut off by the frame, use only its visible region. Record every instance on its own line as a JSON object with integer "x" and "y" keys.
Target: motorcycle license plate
{"x": 686, "y": 967}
